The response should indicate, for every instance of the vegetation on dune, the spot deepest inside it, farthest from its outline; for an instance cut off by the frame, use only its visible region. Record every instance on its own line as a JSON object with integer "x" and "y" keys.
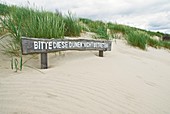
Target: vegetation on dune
{"x": 98, "y": 27}
{"x": 21, "y": 21}
{"x": 72, "y": 25}
{"x": 137, "y": 39}
{"x": 4, "y": 9}
{"x": 116, "y": 28}
{"x": 134, "y": 36}
{"x": 165, "y": 44}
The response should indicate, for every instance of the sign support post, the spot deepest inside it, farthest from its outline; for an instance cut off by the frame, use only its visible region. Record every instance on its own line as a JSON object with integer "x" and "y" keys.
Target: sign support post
{"x": 44, "y": 61}
{"x": 100, "y": 53}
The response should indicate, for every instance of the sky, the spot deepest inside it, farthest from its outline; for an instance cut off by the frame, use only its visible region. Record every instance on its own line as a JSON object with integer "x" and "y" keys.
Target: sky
{"x": 151, "y": 15}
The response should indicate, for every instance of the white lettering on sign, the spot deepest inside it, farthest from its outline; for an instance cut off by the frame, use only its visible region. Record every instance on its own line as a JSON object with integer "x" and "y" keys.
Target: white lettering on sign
{"x": 54, "y": 45}
{"x": 40, "y": 45}
{"x": 35, "y": 45}
{"x": 50, "y": 45}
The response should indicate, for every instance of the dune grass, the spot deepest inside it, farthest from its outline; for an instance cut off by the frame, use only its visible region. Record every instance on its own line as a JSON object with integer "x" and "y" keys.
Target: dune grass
{"x": 4, "y": 9}
{"x": 102, "y": 32}
{"x": 137, "y": 39}
{"x": 72, "y": 26}
{"x": 165, "y": 44}
{"x": 154, "y": 43}
{"x": 21, "y": 21}
{"x": 98, "y": 27}
{"x": 33, "y": 23}
{"x": 117, "y": 28}
{"x": 134, "y": 36}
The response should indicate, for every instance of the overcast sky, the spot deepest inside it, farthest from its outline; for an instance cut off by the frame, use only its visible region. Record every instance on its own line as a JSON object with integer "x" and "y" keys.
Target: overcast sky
{"x": 145, "y": 14}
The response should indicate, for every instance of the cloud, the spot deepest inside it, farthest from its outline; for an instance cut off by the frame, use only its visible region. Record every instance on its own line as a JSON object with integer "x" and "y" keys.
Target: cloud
{"x": 147, "y": 14}
{"x": 160, "y": 22}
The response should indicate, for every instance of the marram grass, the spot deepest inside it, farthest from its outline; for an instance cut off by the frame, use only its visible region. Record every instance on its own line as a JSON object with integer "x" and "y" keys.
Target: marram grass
{"x": 38, "y": 24}
{"x": 27, "y": 22}
{"x": 137, "y": 39}
{"x": 72, "y": 25}
{"x": 20, "y": 21}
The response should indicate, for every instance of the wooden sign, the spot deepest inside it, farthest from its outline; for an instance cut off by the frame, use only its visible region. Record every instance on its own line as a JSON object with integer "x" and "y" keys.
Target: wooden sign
{"x": 38, "y": 45}
{"x": 44, "y": 46}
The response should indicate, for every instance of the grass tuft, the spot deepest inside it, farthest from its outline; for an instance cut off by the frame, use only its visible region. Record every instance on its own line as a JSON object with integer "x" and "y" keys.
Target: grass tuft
{"x": 72, "y": 25}
{"x": 137, "y": 39}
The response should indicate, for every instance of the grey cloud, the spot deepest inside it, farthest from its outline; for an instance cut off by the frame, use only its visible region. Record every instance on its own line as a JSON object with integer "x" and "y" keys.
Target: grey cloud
{"x": 160, "y": 22}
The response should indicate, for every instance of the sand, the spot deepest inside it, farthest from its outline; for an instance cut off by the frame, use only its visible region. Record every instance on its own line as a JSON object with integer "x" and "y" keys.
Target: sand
{"x": 126, "y": 80}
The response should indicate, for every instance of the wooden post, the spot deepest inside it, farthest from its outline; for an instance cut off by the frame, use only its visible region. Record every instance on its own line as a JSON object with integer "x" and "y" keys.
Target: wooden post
{"x": 100, "y": 53}
{"x": 44, "y": 61}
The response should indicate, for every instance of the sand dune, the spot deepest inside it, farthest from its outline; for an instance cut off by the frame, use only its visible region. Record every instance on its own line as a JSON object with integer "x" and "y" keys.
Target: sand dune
{"x": 125, "y": 81}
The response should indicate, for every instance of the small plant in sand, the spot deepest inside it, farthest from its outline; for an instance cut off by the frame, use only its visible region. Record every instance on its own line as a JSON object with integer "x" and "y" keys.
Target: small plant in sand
{"x": 16, "y": 63}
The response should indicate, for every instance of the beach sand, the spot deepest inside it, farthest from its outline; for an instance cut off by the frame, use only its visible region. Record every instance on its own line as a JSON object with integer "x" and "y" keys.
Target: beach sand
{"x": 126, "y": 80}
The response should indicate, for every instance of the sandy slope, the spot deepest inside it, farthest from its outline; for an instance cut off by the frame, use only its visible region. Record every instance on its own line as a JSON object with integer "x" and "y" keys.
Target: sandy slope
{"x": 125, "y": 81}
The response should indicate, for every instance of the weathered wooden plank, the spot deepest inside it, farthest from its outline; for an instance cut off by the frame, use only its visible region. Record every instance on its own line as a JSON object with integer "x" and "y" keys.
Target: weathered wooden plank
{"x": 39, "y": 45}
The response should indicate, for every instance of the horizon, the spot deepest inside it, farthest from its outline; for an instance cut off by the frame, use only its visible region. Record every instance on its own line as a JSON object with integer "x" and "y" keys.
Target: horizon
{"x": 153, "y": 15}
